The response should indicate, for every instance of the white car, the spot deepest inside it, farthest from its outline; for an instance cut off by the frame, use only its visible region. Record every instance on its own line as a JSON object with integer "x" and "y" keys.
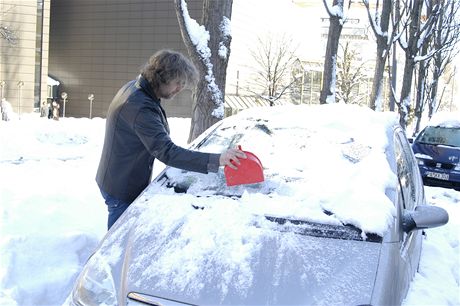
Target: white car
{"x": 337, "y": 219}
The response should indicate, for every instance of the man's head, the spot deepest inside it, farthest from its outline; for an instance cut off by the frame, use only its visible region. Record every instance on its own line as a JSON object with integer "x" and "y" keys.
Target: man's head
{"x": 169, "y": 72}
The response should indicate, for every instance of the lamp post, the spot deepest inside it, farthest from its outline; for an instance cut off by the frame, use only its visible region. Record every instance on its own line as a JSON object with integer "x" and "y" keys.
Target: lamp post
{"x": 20, "y": 84}
{"x": 3, "y": 85}
{"x": 64, "y": 98}
{"x": 90, "y": 98}
{"x": 302, "y": 87}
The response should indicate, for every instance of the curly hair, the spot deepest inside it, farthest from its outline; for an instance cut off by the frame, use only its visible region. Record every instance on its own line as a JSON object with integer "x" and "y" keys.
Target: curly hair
{"x": 168, "y": 65}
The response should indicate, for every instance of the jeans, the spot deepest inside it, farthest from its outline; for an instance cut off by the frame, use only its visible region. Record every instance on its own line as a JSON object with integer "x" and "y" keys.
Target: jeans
{"x": 115, "y": 207}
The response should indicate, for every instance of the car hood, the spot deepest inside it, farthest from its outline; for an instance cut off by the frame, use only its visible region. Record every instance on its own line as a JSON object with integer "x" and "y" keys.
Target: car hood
{"x": 437, "y": 153}
{"x": 186, "y": 256}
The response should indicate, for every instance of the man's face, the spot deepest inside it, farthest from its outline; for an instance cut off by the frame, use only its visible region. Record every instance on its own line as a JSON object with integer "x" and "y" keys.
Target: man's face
{"x": 169, "y": 90}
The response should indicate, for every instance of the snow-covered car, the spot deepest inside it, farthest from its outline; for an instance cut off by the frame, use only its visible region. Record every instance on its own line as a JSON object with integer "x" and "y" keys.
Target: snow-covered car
{"x": 437, "y": 149}
{"x": 337, "y": 220}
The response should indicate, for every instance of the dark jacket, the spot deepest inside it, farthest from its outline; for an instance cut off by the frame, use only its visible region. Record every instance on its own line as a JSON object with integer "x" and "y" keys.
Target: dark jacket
{"x": 136, "y": 133}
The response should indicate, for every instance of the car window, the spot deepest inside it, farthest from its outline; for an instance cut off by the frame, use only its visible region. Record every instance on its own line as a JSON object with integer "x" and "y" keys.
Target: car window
{"x": 408, "y": 172}
{"x": 411, "y": 185}
{"x": 275, "y": 144}
{"x": 440, "y": 135}
{"x": 414, "y": 170}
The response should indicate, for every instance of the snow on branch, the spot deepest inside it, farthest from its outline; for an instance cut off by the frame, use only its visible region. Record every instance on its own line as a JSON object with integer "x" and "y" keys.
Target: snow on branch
{"x": 334, "y": 10}
{"x": 375, "y": 21}
{"x": 8, "y": 35}
{"x": 5, "y": 32}
{"x": 225, "y": 30}
{"x": 200, "y": 37}
{"x": 197, "y": 33}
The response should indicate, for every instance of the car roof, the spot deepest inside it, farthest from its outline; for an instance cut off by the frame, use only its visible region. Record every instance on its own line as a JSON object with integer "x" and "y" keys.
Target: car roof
{"x": 445, "y": 119}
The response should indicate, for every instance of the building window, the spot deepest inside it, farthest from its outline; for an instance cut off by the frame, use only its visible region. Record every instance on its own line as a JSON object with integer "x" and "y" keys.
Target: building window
{"x": 38, "y": 54}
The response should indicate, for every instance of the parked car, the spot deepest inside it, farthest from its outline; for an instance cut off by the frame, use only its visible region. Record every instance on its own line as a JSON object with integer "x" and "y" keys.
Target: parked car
{"x": 337, "y": 219}
{"x": 437, "y": 149}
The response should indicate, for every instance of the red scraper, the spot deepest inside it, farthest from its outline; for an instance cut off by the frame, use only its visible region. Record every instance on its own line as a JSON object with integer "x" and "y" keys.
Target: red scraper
{"x": 250, "y": 171}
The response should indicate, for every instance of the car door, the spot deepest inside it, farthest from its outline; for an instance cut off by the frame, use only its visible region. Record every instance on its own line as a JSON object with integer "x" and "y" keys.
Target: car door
{"x": 411, "y": 195}
{"x": 413, "y": 245}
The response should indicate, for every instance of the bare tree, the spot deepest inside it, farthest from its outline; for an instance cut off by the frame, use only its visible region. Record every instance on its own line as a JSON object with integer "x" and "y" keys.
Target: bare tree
{"x": 421, "y": 76}
{"x": 380, "y": 21}
{"x": 445, "y": 39}
{"x": 209, "y": 47}
{"x": 350, "y": 75}
{"x": 6, "y": 33}
{"x": 447, "y": 81}
{"x": 416, "y": 31}
{"x": 437, "y": 53}
{"x": 275, "y": 57}
{"x": 336, "y": 21}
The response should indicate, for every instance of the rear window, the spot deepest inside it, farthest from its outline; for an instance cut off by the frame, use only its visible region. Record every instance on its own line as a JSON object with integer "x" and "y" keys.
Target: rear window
{"x": 440, "y": 136}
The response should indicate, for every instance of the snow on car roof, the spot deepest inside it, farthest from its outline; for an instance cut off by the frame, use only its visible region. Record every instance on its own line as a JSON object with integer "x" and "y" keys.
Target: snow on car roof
{"x": 316, "y": 159}
{"x": 324, "y": 164}
{"x": 445, "y": 119}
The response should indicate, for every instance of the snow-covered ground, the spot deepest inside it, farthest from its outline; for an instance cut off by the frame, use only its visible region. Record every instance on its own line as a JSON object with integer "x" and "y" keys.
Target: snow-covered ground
{"x": 52, "y": 215}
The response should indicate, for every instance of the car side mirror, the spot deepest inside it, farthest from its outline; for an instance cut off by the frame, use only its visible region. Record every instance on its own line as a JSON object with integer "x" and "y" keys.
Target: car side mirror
{"x": 424, "y": 216}
{"x": 410, "y": 139}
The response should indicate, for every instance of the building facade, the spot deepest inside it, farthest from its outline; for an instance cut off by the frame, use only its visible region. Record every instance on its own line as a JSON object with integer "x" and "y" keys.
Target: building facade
{"x": 24, "y": 41}
{"x": 97, "y": 46}
{"x": 93, "y": 47}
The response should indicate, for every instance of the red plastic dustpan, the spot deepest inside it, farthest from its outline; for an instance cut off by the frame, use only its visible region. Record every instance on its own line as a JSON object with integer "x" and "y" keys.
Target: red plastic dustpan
{"x": 250, "y": 171}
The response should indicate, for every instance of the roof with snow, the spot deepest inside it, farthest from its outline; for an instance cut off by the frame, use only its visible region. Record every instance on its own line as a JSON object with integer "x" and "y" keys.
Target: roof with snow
{"x": 316, "y": 158}
{"x": 445, "y": 119}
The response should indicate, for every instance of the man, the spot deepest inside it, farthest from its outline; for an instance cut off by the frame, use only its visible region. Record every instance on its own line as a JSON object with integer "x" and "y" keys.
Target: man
{"x": 55, "y": 110}
{"x": 137, "y": 132}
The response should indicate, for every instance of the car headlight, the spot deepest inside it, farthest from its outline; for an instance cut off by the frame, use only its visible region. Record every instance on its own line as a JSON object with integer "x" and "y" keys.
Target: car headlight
{"x": 457, "y": 167}
{"x": 95, "y": 284}
{"x": 420, "y": 161}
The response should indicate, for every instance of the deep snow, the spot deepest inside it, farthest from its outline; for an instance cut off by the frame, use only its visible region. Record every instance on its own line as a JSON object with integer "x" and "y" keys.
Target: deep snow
{"x": 52, "y": 215}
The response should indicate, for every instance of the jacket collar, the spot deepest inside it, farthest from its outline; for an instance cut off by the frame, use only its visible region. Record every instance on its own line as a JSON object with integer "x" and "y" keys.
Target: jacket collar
{"x": 142, "y": 82}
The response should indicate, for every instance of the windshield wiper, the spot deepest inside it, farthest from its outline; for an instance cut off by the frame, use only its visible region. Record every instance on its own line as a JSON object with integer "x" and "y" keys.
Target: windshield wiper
{"x": 424, "y": 142}
{"x": 345, "y": 232}
{"x": 447, "y": 145}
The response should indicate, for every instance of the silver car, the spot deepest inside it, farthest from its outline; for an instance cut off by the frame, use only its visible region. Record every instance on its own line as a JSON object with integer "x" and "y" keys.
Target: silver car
{"x": 337, "y": 220}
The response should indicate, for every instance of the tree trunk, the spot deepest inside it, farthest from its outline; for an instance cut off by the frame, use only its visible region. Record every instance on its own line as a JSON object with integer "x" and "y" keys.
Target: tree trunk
{"x": 434, "y": 92}
{"x": 330, "y": 62}
{"x": 421, "y": 90}
{"x": 392, "y": 80}
{"x": 420, "y": 97}
{"x": 377, "y": 84}
{"x": 404, "y": 105}
{"x": 211, "y": 60}
{"x": 383, "y": 47}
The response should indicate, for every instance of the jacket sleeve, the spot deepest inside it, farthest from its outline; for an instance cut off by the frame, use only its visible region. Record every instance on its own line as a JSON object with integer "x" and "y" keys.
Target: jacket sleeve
{"x": 151, "y": 131}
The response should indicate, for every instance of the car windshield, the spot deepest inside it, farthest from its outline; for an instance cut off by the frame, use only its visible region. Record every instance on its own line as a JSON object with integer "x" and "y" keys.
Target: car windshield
{"x": 276, "y": 158}
{"x": 438, "y": 135}
{"x": 318, "y": 169}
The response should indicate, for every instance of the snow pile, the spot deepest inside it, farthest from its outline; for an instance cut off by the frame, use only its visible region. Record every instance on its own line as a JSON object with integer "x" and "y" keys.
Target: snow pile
{"x": 445, "y": 119}
{"x": 52, "y": 215}
{"x": 312, "y": 162}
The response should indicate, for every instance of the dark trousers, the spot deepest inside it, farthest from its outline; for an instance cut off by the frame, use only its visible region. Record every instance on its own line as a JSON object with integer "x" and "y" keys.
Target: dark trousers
{"x": 115, "y": 207}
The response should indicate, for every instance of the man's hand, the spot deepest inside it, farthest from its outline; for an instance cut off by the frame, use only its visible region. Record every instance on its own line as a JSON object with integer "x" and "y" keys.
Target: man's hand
{"x": 231, "y": 158}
